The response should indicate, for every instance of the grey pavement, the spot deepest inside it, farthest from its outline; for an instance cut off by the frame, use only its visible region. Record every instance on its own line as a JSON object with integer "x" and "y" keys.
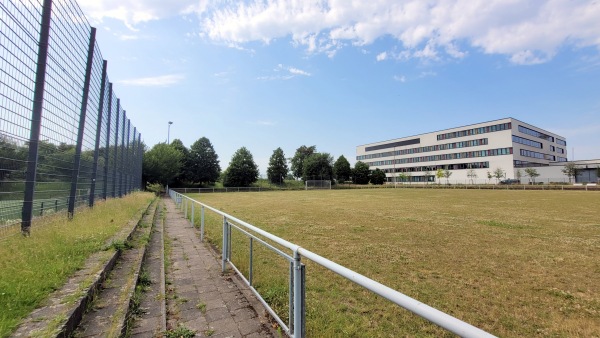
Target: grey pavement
{"x": 199, "y": 297}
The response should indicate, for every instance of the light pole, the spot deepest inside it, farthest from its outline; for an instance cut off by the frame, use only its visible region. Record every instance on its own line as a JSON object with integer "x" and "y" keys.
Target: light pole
{"x": 169, "y": 132}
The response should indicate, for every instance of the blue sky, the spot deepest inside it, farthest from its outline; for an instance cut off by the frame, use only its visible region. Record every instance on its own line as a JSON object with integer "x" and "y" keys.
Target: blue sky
{"x": 337, "y": 74}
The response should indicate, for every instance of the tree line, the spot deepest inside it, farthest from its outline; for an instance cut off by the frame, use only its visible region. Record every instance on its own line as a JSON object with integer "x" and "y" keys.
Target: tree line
{"x": 176, "y": 165}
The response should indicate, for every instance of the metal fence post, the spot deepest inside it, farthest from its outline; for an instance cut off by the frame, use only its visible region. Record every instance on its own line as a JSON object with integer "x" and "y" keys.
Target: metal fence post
{"x": 225, "y": 243}
{"x": 81, "y": 130}
{"x": 192, "y": 218}
{"x": 299, "y": 295}
{"x": 202, "y": 223}
{"x": 185, "y": 208}
{"x": 114, "y": 178}
{"x": 107, "y": 145}
{"x": 36, "y": 119}
{"x": 126, "y": 154}
{"x": 140, "y": 160}
{"x": 98, "y": 134}
{"x": 133, "y": 162}
{"x": 122, "y": 162}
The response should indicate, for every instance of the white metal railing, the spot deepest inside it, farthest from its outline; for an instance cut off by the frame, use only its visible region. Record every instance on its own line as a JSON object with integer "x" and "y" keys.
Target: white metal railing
{"x": 297, "y": 275}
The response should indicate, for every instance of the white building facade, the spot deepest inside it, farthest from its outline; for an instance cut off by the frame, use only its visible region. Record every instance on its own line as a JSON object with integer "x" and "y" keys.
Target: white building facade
{"x": 507, "y": 144}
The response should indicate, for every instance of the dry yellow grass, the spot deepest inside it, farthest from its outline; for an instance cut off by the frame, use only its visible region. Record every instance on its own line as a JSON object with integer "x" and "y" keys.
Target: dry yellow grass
{"x": 514, "y": 263}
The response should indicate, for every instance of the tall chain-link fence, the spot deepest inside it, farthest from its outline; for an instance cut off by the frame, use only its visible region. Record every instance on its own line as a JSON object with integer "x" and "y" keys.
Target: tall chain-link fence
{"x": 65, "y": 140}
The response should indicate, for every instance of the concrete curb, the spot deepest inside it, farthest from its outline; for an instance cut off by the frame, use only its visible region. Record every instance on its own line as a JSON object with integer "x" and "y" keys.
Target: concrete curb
{"x": 65, "y": 315}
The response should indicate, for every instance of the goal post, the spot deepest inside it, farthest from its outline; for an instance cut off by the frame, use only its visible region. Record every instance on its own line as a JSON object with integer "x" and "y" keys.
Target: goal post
{"x": 317, "y": 184}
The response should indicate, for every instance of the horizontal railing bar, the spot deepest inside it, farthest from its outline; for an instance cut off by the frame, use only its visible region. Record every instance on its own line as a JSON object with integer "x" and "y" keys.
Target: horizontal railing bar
{"x": 269, "y": 246}
{"x": 438, "y": 317}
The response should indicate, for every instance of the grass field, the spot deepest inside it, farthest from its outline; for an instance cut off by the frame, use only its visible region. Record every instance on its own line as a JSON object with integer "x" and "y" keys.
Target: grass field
{"x": 514, "y": 263}
{"x": 33, "y": 267}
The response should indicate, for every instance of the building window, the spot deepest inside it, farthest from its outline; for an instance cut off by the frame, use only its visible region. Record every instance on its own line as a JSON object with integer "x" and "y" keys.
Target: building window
{"x": 534, "y": 154}
{"x": 527, "y": 142}
{"x": 474, "y": 131}
{"x": 561, "y": 142}
{"x": 536, "y": 133}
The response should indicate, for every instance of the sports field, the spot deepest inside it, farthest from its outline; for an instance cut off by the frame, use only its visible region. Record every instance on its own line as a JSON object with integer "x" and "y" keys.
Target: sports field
{"x": 514, "y": 263}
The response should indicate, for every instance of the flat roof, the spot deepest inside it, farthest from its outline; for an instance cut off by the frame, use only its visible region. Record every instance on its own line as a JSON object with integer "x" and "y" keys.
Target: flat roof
{"x": 468, "y": 125}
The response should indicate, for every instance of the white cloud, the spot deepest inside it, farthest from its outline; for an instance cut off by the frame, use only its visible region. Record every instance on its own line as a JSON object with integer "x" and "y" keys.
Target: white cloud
{"x": 284, "y": 73}
{"x": 381, "y": 56}
{"x": 527, "y": 32}
{"x": 157, "y": 81}
{"x": 133, "y": 12}
{"x": 400, "y": 78}
{"x": 297, "y": 71}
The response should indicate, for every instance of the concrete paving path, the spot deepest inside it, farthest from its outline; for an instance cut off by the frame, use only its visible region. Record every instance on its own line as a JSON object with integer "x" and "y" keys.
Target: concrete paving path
{"x": 199, "y": 297}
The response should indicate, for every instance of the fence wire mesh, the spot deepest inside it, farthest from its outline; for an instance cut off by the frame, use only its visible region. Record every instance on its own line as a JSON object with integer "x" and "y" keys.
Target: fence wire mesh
{"x": 86, "y": 148}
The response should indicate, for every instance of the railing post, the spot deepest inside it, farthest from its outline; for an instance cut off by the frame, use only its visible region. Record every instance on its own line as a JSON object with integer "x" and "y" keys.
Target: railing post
{"x": 225, "y": 243}
{"x": 250, "y": 263}
{"x": 185, "y": 207}
{"x": 192, "y": 218}
{"x": 299, "y": 295}
{"x": 36, "y": 119}
{"x": 202, "y": 223}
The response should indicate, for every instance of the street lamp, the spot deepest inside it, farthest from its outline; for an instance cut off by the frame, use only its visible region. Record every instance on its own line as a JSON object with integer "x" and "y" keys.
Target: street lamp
{"x": 169, "y": 132}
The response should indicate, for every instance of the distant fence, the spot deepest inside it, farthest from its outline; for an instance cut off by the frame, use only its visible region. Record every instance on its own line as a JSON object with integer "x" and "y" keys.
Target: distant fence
{"x": 65, "y": 139}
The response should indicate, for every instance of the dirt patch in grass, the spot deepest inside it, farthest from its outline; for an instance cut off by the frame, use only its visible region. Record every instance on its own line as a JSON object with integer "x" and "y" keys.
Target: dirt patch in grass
{"x": 514, "y": 263}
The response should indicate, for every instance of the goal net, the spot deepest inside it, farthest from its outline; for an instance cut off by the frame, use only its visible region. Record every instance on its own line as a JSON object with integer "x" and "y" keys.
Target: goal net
{"x": 317, "y": 184}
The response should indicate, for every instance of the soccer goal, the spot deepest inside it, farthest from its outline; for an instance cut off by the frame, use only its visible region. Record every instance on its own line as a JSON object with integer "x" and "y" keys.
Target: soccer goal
{"x": 317, "y": 184}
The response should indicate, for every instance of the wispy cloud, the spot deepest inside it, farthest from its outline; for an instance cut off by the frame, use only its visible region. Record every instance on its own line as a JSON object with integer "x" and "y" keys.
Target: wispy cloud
{"x": 282, "y": 72}
{"x": 266, "y": 123}
{"x": 400, "y": 78}
{"x": 156, "y": 81}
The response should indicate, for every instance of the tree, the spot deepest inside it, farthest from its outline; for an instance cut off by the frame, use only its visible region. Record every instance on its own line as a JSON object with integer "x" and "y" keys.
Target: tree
{"x": 341, "y": 169}
{"x": 378, "y": 177}
{"x": 447, "y": 174}
{"x": 184, "y": 172}
{"x": 402, "y": 176}
{"x": 361, "y": 173}
{"x": 409, "y": 177}
{"x": 489, "y": 176}
{"x": 439, "y": 174}
{"x": 298, "y": 160}
{"x": 427, "y": 174}
{"x": 318, "y": 166}
{"x": 203, "y": 162}
{"x": 532, "y": 173}
{"x": 162, "y": 164}
{"x": 242, "y": 170}
{"x": 498, "y": 174}
{"x": 518, "y": 175}
{"x": 570, "y": 170}
{"x": 472, "y": 174}
{"x": 278, "y": 169}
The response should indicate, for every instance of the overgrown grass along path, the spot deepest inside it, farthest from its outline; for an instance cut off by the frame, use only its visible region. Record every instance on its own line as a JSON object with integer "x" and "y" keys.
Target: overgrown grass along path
{"x": 31, "y": 268}
{"x": 514, "y": 263}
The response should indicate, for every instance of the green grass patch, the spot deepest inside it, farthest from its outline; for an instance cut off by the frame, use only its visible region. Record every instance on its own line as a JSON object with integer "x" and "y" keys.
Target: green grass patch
{"x": 33, "y": 267}
{"x": 512, "y": 262}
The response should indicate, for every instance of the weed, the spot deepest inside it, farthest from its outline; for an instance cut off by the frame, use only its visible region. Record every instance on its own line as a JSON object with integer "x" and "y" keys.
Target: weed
{"x": 209, "y": 332}
{"x": 202, "y": 307}
{"x": 180, "y": 332}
